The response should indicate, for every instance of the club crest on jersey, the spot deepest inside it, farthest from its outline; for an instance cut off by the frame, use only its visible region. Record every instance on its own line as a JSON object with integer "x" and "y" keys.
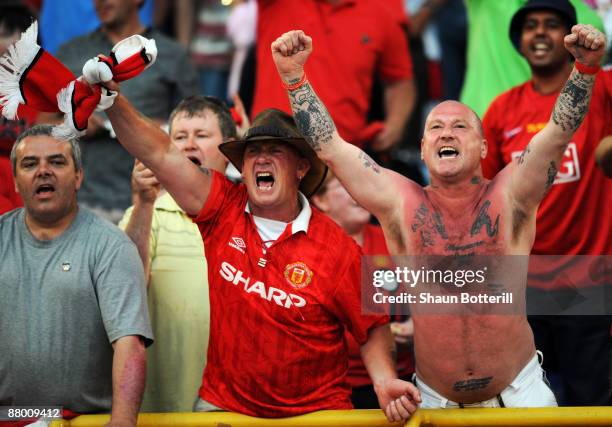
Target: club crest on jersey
{"x": 237, "y": 243}
{"x": 298, "y": 275}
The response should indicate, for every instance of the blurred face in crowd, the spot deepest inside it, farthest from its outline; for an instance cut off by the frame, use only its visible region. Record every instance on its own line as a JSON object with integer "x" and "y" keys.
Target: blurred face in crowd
{"x": 46, "y": 178}
{"x": 542, "y": 41}
{"x": 452, "y": 143}
{"x": 116, "y": 13}
{"x": 341, "y": 207}
{"x": 198, "y": 137}
{"x": 271, "y": 172}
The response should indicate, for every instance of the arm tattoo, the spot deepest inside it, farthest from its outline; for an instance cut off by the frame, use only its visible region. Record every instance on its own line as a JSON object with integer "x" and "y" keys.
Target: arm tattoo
{"x": 472, "y": 384}
{"x": 368, "y": 162}
{"x": 573, "y": 102}
{"x": 311, "y": 116}
{"x": 526, "y": 151}
{"x": 550, "y": 175}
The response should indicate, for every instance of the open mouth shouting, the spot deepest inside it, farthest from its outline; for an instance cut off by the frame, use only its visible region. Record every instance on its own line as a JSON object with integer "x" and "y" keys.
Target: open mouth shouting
{"x": 264, "y": 181}
{"x": 44, "y": 191}
{"x": 447, "y": 152}
{"x": 195, "y": 160}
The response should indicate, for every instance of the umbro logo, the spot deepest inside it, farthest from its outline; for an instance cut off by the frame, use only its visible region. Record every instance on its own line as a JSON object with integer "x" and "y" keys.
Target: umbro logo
{"x": 237, "y": 243}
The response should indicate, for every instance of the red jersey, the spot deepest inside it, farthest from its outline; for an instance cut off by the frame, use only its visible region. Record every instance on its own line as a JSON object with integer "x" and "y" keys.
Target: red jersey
{"x": 357, "y": 376}
{"x": 277, "y": 315}
{"x": 575, "y": 217}
{"x": 353, "y": 40}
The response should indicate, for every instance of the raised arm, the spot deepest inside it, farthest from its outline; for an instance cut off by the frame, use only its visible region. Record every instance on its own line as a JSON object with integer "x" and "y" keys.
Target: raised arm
{"x": 535, "y": 170}
{"x": 143, "y": 139}
{"x": 370, "y": 185}
{"x": 145, "y": 189}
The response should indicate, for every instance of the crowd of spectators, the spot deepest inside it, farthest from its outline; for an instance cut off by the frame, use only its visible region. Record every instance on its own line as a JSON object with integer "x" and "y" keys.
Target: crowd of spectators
{"x": 379, "y": 67}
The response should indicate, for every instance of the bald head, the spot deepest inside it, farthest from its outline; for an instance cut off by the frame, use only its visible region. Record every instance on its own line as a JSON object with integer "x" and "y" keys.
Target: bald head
{"x": 456, "y": 107}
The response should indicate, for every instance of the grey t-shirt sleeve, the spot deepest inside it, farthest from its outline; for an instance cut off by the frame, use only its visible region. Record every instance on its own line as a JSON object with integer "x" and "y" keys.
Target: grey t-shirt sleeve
{"x": 121, "y": 292}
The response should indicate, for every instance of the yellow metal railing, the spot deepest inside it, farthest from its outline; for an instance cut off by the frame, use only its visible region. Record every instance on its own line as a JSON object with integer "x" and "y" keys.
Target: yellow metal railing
{"x": 354, "y": 418}
{"x": 512, "y": 417}
{"x": 474, "y": 417}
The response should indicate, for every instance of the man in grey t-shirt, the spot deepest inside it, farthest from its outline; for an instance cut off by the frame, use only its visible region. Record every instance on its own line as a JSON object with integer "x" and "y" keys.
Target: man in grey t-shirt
{"x": 155, "y": 93}
{"x": 73, "y": 314}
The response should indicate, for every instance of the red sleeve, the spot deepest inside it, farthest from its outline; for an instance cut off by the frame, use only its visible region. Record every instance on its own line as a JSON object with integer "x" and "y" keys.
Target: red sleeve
{"x": 395, "y": 63}
{"x": 493, "y": 163}
{"x": 606, "y": 76}
{"x": 347, "y": 299}
{"x": 211, "y": 211}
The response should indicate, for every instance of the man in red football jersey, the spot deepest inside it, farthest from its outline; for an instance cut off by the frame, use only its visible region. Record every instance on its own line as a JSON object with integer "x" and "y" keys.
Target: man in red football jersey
{"x": 284, "y": 279}
{"x": 485, "y": 359}
{"x": 575, "y": 217}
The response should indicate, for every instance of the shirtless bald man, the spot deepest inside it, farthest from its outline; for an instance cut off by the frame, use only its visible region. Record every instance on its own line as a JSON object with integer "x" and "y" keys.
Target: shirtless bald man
{"x": 461, "y": 360}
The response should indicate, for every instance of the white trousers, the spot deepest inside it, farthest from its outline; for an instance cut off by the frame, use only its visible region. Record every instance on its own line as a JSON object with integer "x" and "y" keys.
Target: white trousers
{"x": 528, "y": 389}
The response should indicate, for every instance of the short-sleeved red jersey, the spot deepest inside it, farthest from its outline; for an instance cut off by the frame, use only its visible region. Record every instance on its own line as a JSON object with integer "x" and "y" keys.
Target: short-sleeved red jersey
{"x": 575, "y": 217}
{"x": 354, "y": 40}
{"x": 278, "y": 315}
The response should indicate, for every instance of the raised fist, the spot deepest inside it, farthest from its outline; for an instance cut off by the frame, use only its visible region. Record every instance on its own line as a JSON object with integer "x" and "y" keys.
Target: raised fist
{"x": 290, "y": 52}
{"x": 586, "y": 44}
{"x": 145, "y": 186}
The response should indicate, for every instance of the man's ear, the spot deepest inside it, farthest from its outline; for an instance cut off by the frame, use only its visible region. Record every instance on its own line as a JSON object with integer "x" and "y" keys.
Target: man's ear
{"x": 303, "y": 167}
{"x": 484, "y": 149}
{"x": 320, "y": 201}
{"x": 80, "y": 175}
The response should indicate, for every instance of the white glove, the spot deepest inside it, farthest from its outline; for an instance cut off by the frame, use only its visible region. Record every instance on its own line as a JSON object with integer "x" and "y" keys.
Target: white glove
{"x": 96, "y": 71}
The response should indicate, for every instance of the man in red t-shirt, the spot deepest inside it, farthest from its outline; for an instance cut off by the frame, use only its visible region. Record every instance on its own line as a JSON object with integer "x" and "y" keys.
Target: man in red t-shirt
{"x": 357, "y": 40}
{"x": 333, "y": 199}
{"x": 575, "y": 217}
{"x": 284, "y": 279}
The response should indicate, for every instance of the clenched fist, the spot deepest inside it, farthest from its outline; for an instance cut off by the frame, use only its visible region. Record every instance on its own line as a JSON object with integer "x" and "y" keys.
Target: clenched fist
{"x": 586, "y": 44}
{"x": 290, "y": 52}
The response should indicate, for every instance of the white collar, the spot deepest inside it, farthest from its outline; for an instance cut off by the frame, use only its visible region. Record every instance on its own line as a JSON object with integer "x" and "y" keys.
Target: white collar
{"x": 300, "y": 223}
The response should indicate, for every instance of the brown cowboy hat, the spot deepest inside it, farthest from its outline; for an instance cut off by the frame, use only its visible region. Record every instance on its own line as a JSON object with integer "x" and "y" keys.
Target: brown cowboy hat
{"x": 277, "y": 126}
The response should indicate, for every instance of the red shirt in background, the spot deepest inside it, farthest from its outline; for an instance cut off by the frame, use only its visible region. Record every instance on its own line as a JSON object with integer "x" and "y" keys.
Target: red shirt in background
{"x": 352, "y": 40}
{"x": 357, "y": 376}
{"x": 9, "y": 199}
{"x": 11, "y": 129}
{"x": 575, "y": 217}
{"x": 276, "y": 345}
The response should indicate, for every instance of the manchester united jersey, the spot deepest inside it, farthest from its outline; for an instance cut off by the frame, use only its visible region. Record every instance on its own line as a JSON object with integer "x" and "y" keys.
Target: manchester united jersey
{"x": 575, "y": 217}
{"x": 278, "y": 313}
